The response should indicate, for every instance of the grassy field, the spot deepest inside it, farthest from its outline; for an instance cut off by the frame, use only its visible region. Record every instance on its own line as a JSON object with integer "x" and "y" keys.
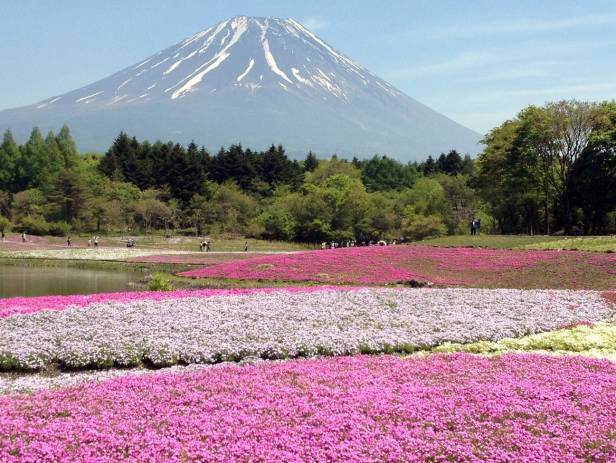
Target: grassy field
{"x": 173, "y": 243}
{"x": 586, "y": 243}
{"x": 183, "y": 243}
{"x": 590, "y": 243}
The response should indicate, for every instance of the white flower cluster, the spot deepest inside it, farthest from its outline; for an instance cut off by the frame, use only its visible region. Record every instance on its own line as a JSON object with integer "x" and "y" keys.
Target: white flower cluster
{"x": 101, "y": 253}
{"x": 283, "y": 325}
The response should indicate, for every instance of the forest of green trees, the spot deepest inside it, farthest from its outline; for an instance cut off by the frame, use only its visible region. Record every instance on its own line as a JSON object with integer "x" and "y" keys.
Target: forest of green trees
{"x": 551, "y": 169}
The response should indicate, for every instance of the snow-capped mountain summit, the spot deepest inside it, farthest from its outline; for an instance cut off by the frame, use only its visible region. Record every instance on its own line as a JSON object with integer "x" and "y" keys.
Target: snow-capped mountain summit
{"x": 254, "y": 81}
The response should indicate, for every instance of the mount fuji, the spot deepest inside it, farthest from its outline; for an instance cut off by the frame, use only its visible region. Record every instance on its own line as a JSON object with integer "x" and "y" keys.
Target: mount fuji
{"x": 254, "y": 81}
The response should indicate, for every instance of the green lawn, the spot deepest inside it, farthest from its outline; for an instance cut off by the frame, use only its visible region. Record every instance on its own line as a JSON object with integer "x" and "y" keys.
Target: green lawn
{"x": 587, "y": 243}
{"x": 183, "y": 243}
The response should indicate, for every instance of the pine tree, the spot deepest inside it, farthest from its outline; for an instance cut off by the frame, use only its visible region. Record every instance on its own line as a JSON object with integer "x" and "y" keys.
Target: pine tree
{"x": 68, "y": 147}
{"x": 112, "y": 163}
{"x": 311, "y": 162}
{"x": 55, "y": 158}
{"x": 429, "y": 167}
{"x": 34, "y": 160}
{"x": 9, "y": 163}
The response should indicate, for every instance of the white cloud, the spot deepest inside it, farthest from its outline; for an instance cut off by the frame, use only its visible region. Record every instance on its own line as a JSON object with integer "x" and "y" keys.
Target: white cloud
{"x": 523, "y": 26}
{"x": 314, "y": 23}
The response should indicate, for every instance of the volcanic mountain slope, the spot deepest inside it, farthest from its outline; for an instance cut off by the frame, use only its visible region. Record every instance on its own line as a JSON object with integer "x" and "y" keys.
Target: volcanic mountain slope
{"x": 254, "y": 81}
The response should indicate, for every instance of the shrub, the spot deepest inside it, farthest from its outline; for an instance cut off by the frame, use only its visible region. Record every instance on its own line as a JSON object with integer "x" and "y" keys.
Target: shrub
{"x": 34, "y": 225}
{"x": 418, "y": 227}
{"x": 160, "y": 282}
{"x": 5, "y": 224}
{"x": 59, "y": 228}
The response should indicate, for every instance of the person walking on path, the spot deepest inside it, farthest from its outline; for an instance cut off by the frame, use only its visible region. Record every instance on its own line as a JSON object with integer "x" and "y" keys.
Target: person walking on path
{"x": 246, "y": 246}
{"x": 3, "y": 237}
{"x": 96, "y": 241}
{"x": 68, "y": 241}
{"x": 23, "y": 237}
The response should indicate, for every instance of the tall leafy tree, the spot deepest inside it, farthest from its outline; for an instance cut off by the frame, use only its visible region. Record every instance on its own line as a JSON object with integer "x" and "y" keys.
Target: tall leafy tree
{"x": 559, "y": 133}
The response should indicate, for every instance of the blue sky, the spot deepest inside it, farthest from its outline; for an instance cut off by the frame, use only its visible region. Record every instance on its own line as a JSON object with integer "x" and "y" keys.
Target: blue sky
{"x": 478, "y": 62}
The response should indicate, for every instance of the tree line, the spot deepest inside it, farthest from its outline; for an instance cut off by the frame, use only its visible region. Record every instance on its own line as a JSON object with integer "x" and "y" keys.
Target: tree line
{"x": 550, "y": 169}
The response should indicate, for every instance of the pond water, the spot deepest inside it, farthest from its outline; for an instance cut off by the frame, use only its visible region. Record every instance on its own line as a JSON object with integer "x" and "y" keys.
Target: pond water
{"x": 18, "y": 280}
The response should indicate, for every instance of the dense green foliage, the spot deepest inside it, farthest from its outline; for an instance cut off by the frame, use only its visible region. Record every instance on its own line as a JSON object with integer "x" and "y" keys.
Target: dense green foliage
{"x": 552, "y": 168}
{"x": 549, "y": 169}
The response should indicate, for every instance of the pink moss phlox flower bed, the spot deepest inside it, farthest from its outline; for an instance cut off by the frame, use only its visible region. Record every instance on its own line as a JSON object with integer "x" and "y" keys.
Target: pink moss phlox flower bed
{"x": 26, "y": 305}
{"x": 444, "y": 408}
{"x": 374, "y": 265}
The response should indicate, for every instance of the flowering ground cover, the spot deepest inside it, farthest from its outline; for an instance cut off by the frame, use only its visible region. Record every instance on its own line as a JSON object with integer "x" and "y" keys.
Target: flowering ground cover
{"x": 100, "y": 253}
{"x": 443, "y": 408}
{"x": 28, "y": 305}
{"x": 202, "y": 258}
{"x": 588, "y": 339}
{"x": 441, "y": 266}
{"x": 278, "y": 324}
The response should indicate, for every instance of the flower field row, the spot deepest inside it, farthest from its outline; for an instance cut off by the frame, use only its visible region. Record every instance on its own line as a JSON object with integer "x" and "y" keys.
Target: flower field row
{"x": 591, "y": 340}
{"x": 26, "y": 305}
{"x": 490, "y": 268}
{"x": 283, "y": 324}
{"x": 375, "y": 264}
{"x": 456, "y": 407}
{"x": 100, "y": 253}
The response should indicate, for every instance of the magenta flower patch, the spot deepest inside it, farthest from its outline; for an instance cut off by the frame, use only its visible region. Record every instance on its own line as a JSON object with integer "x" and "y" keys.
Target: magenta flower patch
{"x": 460, "y": 408}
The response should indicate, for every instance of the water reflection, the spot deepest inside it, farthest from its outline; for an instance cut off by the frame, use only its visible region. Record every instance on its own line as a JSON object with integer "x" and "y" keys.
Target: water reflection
{"x": 39, "y": 281}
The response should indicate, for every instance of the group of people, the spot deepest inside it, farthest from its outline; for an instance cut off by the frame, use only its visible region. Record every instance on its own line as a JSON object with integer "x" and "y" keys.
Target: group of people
{"x": 475, "y": 226}
{"x": 353, "y": 243}
{"x": 92, "y": 241}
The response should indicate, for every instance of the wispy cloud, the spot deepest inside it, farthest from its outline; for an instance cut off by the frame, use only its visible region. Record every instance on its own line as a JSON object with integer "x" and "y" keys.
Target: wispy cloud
{"x": 524, "y": 26}
{"x": 526, "y": 58}
{"x": 314, "y": 23}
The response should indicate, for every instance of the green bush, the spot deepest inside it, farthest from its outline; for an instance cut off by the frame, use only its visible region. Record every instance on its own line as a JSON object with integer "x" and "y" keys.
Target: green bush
{"x": 160, "y": 282}
{"x": 59, "y": 228}
{"x": 5, "y": 224}
{"x": 418, "y": 227}
{"x": 33, "y": 225}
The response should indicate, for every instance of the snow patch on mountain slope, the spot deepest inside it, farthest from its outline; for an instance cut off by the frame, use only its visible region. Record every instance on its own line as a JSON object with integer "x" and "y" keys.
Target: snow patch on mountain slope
{"x": 300, "y": 79}
{"x": 269, "y": 58}
{"x": 239, "y": 25}
{"x": 87, "y": 97}
{"x": 245, "y": 73}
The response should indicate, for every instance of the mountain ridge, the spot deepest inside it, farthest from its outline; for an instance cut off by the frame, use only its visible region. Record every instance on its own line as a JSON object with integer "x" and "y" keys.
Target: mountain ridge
{"x": 255, "y": 81}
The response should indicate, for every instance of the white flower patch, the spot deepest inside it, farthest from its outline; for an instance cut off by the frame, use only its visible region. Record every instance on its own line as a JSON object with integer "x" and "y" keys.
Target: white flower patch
{"x": 90, "y": 253}
{"x": 284, "y": 325}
